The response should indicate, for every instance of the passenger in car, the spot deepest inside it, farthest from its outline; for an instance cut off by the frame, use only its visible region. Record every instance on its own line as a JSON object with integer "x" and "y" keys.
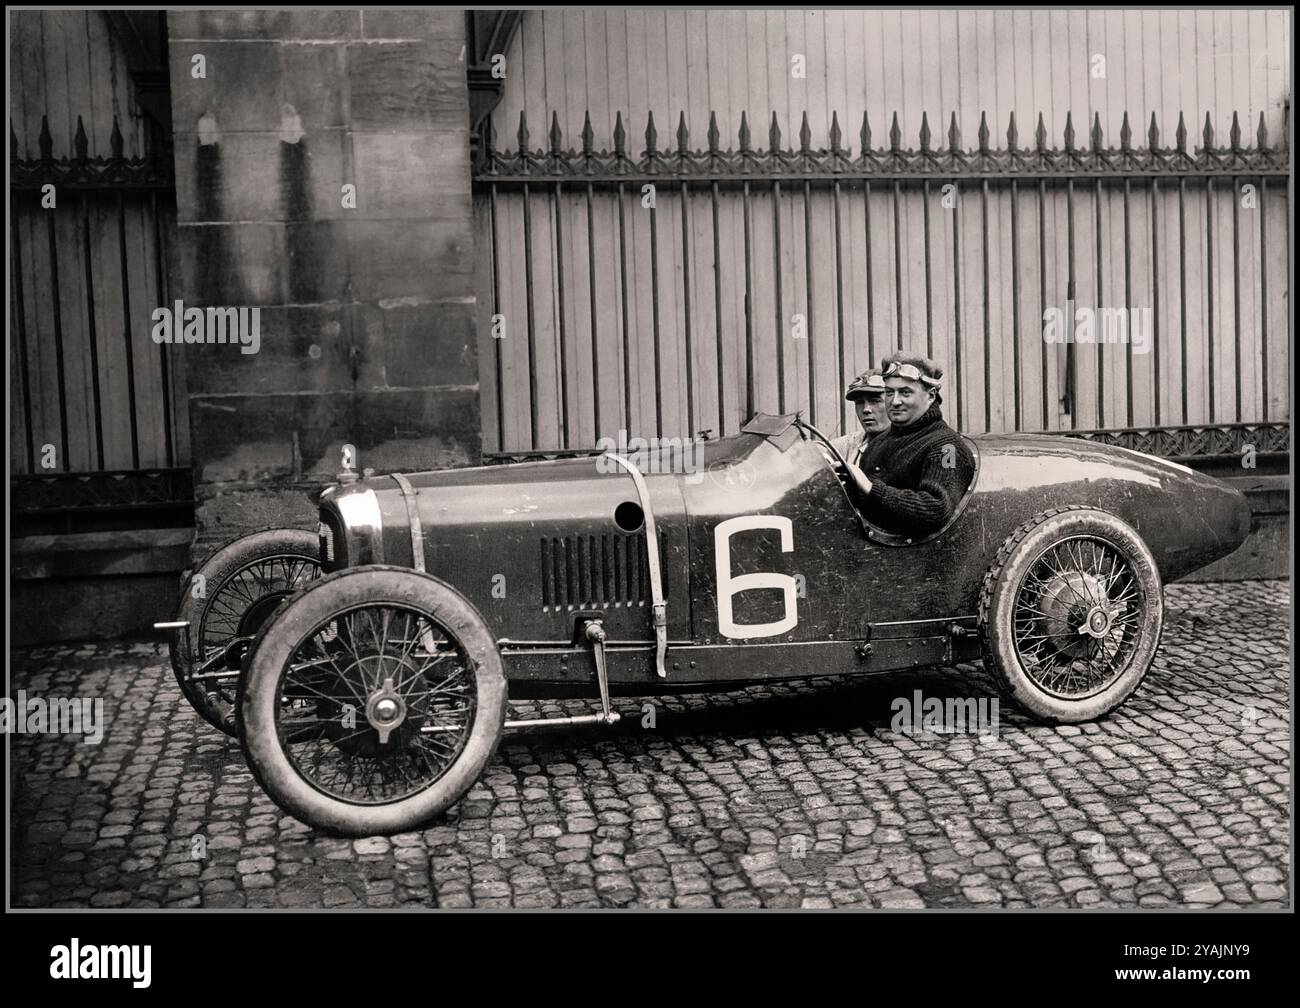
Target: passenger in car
{"x": 867, "y": 393}
{"x": 911, "y": 478}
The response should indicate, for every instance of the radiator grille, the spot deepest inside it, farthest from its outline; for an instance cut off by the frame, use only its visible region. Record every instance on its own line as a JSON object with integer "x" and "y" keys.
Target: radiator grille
{"x": 333, "y": 544}
{"x": 581, "y": 571}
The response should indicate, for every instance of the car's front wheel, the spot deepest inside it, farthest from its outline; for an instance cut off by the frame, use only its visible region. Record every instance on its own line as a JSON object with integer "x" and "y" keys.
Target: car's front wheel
{"x": 372, "y": 702}
{"x": 1071, "y": 613}
{"x": 225, "y": 602}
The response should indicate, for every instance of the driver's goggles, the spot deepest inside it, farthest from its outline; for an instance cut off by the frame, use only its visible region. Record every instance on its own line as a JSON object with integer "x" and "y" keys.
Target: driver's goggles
{"x": 911, "y": 372}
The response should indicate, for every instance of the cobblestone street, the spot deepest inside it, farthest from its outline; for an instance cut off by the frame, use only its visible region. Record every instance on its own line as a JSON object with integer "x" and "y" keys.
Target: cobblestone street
{"x": 784, "y": 796}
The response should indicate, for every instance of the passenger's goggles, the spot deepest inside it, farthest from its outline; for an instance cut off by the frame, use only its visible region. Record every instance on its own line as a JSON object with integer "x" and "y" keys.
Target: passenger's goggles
{"x": 912, "y": 373}
{"x": 869, "y": 386}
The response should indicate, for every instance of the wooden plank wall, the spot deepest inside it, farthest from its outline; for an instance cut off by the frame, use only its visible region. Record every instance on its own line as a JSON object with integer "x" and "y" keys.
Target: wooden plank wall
{"x": 1211, "y": 359}
{"x": 88, "y": 307}
{"x": 65, "y": 64}
{"x": 968, "y": 62}
{"x": 85, "y": 276}
{"x": 673, "y": 61}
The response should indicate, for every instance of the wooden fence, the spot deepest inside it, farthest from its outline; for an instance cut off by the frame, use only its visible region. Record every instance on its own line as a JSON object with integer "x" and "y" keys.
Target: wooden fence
{"x": 97, "y": 418}
{"x": 684, "y": 287}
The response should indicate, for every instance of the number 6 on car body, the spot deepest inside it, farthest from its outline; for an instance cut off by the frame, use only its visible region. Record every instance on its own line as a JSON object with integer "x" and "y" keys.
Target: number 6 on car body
{"x": 729, "y": 584}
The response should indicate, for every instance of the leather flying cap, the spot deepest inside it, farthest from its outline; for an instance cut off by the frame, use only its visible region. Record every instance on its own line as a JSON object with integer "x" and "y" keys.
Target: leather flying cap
{"x": 869, "y": 383}
{"x": 914, "y": 368}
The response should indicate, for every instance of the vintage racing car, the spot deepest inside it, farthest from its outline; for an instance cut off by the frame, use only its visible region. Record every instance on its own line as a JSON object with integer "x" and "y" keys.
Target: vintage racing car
{"x": 366, "y": 667}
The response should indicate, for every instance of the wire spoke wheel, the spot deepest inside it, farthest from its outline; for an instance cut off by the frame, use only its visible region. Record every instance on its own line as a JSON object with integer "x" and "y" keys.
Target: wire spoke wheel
{"x": 1077, "y": 617}
{"x": 227, "y": 601}
{"x": 376, "y": 704}
{"x": 1071, "y": 613}
{"x": 237, "y": 610}
{"x": 372, "y": 701}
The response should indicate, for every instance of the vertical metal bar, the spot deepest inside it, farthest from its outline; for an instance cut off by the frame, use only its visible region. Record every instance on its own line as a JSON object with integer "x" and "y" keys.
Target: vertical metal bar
{"x": 130, "y": 348}
{"x": 1068, "y": 398}
{"x": 1015, "y": 306}
{"x": 839, "y": 307}
{"x": 556, "y": 195}
{"x": 1128, "y": 305}
{"x": 547, "y": 572}
{"x": 16, "y": 271}
{"x": 654, "y": 316}
{"x": 528, "y": 301}
{"x": 810, "y": 332}
{"x": 621, "y": 547}
{"x": 871, "y": 299}
{"x": 1182, "y": 289}
{"x": 717, "y": 306}
{"x": 586, "y": 571}
{"x": 929, "y": 296}
{"x": 958, "y": 406}
{"x": 1042, "y": 294}
{"x": 169, "y": 434}
{"x": 1155, "y": 296}
{"x": 498, "y": 351}
{"x": 749, "y": 304}
{"x": 898, "y": 272}
{"x": 1263, "y": 297}
{"x": 65, "y": 463}
{"x": 780, "y": 308}
{"x": 634, "y": 572}
{"x": 90, "y": 321}
{"x": 686, "y": 312}
{"x": 591, "y": 299}
{"x": 570, "y": 571}
{"x": 1209, "y": 290}
{"x": 988, "y": 367}
{"x": 1096, "y": 306}
{"x": 1236, "y": 293}
{"x": 607, "y": 566}
{"x": 627, "y": 349}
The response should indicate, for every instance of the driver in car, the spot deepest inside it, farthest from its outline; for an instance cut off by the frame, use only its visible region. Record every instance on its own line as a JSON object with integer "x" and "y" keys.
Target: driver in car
{"x": 867, "y": 393}
{"x": 911, "y": 477}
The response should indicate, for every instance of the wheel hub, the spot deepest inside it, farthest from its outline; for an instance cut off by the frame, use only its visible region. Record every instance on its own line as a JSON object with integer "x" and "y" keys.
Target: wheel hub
{"x": 1096, "y": 623}
{"x": 385, "y": 710}
{"x": 386, "y": 707}
{"x": 259, "y": 612}
{"x": 1074, "y": 611}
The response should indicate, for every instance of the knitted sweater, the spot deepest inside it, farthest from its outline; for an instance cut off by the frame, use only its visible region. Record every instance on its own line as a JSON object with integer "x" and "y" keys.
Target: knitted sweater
{"x": 917, "y": 480}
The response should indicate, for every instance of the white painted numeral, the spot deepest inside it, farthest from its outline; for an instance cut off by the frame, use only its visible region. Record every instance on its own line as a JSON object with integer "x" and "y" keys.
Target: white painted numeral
{"x": 729, "y": 586}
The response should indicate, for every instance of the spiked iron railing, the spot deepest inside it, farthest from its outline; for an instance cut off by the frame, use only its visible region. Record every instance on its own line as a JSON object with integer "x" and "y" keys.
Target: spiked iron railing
{"x": 81, "y": 171}
{"x": 99, "y": 417}
{"x": 524, "y": 164}
{"x": 1069, "y": 187}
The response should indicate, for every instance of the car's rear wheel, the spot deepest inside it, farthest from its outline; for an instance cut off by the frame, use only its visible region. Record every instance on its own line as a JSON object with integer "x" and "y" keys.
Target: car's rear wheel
{"x": 1071, "y": 614}
{"x": 226, "y": 602}
{"x": 372, "y": 702}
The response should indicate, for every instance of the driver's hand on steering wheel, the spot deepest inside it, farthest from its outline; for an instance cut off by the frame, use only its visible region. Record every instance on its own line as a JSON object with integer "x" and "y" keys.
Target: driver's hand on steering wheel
{"x": 859, "y": 478}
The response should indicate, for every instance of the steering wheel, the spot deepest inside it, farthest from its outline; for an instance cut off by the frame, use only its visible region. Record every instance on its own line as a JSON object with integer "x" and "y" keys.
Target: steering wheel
{"x": 833, "y": 457}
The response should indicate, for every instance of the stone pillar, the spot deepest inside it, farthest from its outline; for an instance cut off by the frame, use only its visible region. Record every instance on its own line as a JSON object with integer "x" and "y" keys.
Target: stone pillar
{"x": 366, "y": 303}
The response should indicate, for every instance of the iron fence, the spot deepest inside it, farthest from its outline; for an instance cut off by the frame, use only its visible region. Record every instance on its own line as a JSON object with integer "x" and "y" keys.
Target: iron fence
{"x": 871, "y": 265}
{"x": 89, "y": 253}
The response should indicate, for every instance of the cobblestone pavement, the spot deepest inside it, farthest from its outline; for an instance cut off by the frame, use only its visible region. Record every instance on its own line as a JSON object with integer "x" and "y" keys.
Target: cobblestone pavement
{"x": 784, "y": 796}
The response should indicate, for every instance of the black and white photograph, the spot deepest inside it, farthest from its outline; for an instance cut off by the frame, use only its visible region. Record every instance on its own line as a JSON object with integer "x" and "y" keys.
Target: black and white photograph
{"x": 652, "y": 459}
